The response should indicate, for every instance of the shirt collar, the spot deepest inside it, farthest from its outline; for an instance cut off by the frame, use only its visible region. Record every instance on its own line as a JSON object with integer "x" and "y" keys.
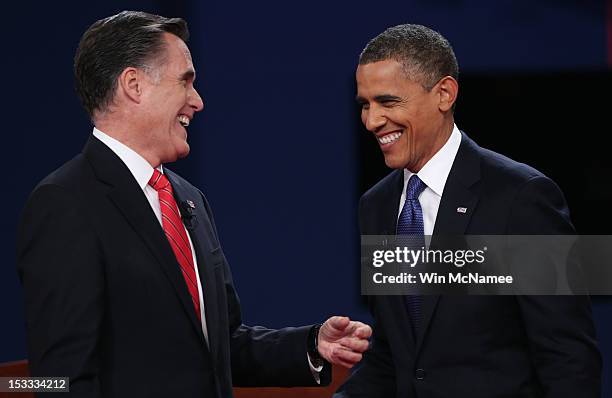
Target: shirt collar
{"x": 435, "y": 172}
{"x": 138, "y": 166}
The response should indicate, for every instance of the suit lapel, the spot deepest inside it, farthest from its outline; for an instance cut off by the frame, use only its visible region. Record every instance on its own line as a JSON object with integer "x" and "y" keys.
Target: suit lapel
{"x": 460, "y": 195}
{"x": 390, "y": 195}
{"x": 204, "y": 248}
{"x": 128, "y": 197}
{"x": 459, "y": 192}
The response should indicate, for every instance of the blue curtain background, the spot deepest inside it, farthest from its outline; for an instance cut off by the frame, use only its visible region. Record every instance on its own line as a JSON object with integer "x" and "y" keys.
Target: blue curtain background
{"x": 276, "y": 149}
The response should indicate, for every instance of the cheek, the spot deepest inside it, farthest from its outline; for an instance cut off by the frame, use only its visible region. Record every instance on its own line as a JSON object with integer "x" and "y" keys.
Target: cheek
{"x": 410, "y": 141}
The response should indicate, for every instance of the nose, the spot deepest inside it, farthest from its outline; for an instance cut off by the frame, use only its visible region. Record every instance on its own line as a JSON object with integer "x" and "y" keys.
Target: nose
{"x": 373, "y": 118}
{"x": 195, "y": 101}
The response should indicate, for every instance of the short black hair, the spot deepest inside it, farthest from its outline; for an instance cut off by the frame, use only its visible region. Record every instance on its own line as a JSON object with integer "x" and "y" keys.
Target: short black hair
{"x": 127, "y": 39}
{"x": 426, "y": 56}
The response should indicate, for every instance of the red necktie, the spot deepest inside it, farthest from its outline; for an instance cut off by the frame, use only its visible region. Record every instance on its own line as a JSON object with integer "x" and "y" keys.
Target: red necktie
{"x": 176, "y": 234}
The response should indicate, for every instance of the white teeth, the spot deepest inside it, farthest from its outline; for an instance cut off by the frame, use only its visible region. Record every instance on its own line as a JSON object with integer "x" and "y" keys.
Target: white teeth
{"x": 389, "y": 138}
{"x": 183, "y": 120}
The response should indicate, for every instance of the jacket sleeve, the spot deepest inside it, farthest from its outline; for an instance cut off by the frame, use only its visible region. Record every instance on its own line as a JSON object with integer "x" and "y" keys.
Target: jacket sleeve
{"x": 60, "y": 268}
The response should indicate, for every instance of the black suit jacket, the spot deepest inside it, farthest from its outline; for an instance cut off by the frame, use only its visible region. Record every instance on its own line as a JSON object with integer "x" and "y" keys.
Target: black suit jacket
{"x": 479, "y": 346}
{"x": 107, "y": 306}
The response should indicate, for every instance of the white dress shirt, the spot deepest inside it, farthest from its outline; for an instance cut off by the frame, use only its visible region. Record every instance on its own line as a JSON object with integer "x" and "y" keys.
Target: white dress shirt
{"x": 434, "y": 174}
{"x": 142, "y": 172}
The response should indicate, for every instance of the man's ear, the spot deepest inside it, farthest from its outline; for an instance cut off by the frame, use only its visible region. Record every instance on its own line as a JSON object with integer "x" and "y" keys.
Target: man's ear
{"x": 448, "y": 88}
{"x": 130, "y": 84}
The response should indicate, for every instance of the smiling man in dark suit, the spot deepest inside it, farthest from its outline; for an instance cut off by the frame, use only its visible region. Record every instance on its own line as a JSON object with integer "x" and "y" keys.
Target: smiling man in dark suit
{"x": 127, "y": 290}
{"x": 445, "y": 184}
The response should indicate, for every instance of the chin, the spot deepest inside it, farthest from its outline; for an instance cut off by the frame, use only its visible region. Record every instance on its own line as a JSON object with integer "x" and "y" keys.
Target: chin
{"x": 394, "y": 163}
{"x": 183, "y": 152}
{"x": 181, "y": 148}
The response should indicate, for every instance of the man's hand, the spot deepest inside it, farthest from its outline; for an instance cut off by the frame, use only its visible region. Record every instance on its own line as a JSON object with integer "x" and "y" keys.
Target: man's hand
{"x": 342, "y": 341}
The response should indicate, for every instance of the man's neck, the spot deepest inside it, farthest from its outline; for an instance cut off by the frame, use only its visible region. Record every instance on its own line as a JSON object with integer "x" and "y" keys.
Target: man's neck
{"x": 128, "y": 136}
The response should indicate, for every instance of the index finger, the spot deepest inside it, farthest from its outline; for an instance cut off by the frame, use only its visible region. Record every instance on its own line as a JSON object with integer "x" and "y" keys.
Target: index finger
{"x": 363, "y": 331}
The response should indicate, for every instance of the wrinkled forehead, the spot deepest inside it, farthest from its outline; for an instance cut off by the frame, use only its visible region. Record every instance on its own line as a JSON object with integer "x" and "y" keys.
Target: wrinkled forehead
{"x": 381, "y": 73}
{"x": 392, "y": 67}
{"x": 387, "y": 75}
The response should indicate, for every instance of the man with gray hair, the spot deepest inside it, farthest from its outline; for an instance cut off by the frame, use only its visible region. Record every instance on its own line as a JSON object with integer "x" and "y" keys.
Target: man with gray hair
{"x": 127, "y": 290}
{"x": 445, "y": 184}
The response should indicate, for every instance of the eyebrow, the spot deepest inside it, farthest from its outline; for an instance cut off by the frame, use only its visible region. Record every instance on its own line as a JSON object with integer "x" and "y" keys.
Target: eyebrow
{"x": 386, "y": 97}
{"x": 188, "y": 75}
{"x": 378, "y": 98}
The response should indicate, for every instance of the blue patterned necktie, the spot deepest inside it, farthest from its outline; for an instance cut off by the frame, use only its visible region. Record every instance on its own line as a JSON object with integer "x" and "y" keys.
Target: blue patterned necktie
{"x": 410, "y": 223}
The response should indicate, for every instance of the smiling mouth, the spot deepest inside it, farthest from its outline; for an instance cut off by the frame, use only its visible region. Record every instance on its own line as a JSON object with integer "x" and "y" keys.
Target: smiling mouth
{"x": 389, "y": 138}
{"x": 183, "y": 120}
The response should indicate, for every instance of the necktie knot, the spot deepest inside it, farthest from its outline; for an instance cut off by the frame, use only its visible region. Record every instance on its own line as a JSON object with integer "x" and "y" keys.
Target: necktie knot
{"x": 415, "y": 187}
{"x": 158, "y": 180}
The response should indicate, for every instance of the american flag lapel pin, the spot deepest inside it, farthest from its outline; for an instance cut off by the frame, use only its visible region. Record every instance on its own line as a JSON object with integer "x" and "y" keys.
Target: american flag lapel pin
{"x": 461, "y": 210}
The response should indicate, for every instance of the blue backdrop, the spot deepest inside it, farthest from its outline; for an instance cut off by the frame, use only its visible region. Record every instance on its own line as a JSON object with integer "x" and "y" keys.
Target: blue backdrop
{"x": 276, "y": 149}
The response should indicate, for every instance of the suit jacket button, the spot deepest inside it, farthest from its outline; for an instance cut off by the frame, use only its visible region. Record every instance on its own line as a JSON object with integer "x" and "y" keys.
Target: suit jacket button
{"x": 420, "y": 374}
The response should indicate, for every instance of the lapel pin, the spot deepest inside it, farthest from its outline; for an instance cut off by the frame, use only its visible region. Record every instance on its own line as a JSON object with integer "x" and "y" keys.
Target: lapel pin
{"x": 461, "y": 210}
{"x": 189, "y": 218}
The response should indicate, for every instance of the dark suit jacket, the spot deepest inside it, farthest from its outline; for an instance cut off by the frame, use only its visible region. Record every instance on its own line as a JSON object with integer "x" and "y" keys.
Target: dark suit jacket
{"x": 107, "y": 306}
{"x": 479, "y": 346}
